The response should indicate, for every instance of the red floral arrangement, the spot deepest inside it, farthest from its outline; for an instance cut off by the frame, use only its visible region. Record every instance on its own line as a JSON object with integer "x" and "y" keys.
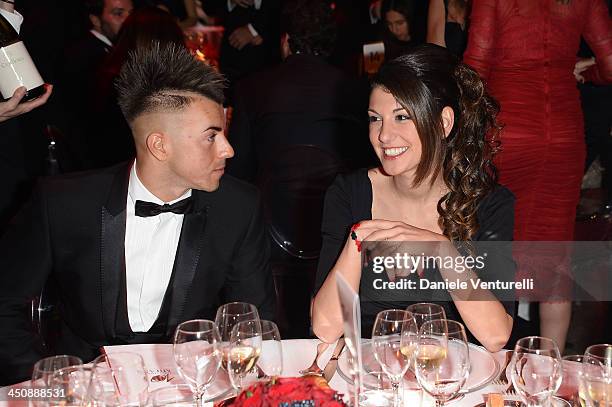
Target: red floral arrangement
{"x": 288, "y": 392}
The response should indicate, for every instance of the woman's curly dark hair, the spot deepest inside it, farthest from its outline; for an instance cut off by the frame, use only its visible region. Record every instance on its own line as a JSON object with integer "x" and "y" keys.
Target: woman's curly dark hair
{"x": 423, "y": 82}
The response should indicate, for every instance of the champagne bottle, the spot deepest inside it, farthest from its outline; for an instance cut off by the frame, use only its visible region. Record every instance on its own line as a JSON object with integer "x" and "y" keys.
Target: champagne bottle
{"x": 16, "y": 66}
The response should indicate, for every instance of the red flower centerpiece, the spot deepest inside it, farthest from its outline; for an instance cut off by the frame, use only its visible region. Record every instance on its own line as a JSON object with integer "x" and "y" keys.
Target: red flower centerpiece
{"x": 306, "y": 391}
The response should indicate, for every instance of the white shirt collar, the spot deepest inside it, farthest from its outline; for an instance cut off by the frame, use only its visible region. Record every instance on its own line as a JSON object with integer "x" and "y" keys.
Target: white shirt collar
{"x": 14, "y": 18}
{"x": 101, "y": 37}
{"x": 138, "y": 192}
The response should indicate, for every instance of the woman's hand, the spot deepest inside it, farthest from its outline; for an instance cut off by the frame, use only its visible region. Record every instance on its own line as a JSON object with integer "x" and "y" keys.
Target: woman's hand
{"x": 582, "y": 65}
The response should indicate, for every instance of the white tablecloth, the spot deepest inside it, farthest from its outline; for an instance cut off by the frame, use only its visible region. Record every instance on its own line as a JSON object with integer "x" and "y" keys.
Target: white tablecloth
{"x": 297, "y": 355}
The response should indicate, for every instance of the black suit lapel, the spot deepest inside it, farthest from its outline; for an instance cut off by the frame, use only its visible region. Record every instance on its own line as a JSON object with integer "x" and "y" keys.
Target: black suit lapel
{"x": 187, "y": 258}
{"x": 112, "y": 248}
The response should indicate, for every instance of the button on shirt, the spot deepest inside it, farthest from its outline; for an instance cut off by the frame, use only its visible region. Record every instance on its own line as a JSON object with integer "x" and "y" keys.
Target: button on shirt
{"x": 150, "y": 249}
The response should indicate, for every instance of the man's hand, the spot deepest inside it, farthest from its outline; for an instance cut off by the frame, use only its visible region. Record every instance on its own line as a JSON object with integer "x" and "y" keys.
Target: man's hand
{"x": 241, "y": 37}
{"x": 243, "y": 3}
{"x": 12, "y": 107}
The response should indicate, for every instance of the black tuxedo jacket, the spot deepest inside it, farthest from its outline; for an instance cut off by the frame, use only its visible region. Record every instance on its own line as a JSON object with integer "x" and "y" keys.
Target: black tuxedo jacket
{"x": 73, "y": 231}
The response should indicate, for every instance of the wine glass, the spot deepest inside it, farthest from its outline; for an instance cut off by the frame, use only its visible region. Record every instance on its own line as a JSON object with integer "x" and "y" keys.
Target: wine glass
{"x": 118, "y": 379}
{"x": 271, "y": 357}
{"x": 596, "y": 383}
{"x": 442, "y": 359}
{"x": 244, "y": 351}
{"x": 536, "y": 370}
{"x": 426, "y": 311}
{"x": 43, "y": 370}
{"x": 570, "y": 384}
{"x": 68, "y": 386}
{"x": 196, "y": 354}
{"x": 603, "y": 353}
{"x": 228, "y": 315}
{"x": 394, "y": 339}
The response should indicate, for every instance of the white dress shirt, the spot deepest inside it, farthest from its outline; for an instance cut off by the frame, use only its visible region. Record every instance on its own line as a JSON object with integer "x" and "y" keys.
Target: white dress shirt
{"x": 150, "y": 247}
{"x": 14, "y": 18}
{"x": 101, "y": 37}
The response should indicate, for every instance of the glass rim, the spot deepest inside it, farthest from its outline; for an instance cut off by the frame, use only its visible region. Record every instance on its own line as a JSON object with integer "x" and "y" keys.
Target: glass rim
{"x": 409, "y": 316}
{"x": 459, "y": 327}
{"x": 519, "y": 342}
{"x": 39, "y": 363}
{"x": 212, "y": 327}
{"x": 236, "y": 303}
{"x": 423, "y": 304}
{"x": 604, "y": 346}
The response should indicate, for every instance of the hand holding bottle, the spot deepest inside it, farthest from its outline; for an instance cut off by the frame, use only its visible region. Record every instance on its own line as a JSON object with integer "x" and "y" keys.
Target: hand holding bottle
{"x": 12, "y": 107}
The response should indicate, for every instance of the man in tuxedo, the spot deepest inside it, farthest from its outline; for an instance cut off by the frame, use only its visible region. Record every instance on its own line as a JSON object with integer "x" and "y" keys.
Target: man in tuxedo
{"x": 135, "y": 249}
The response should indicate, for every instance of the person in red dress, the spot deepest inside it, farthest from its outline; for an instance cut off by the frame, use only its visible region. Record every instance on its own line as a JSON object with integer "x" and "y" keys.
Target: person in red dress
{"x": 526, "y": 52}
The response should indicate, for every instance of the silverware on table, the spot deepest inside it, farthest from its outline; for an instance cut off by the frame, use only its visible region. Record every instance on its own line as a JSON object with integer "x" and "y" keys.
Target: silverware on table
{"x": 503, "y": 377}
{"x": 332, "y": 365}
{"x": 314, "y": 368}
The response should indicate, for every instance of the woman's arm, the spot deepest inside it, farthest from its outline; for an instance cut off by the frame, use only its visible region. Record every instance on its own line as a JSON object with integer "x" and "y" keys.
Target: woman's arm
{"x": 327, "y": 322}
{"x": 436, "y": 21}
{"x": 598, "y": 34}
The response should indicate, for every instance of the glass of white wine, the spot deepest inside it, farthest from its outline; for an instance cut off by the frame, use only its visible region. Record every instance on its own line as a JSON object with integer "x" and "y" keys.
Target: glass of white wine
{"x": 536, "y": 370}
{"x": 244, "y": 350}
{"x": 228, "y": 315}
{"x": 394, "y": 340}
{"x": 442, "y": 359}
{"x": 196, "y": 354}
{"x": 595, "y": 383}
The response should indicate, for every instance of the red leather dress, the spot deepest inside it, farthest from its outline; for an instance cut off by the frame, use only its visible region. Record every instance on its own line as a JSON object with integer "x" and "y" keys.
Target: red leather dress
{"x": 526, "y": 51}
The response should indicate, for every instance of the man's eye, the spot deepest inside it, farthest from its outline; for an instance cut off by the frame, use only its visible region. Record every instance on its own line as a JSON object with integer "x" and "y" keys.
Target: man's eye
{"x": 373, "y": 119}
{"x": 211, "y": 138}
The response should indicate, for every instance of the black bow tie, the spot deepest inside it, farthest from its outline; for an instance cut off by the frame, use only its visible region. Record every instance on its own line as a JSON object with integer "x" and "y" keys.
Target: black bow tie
{"x": 146, "y": 209}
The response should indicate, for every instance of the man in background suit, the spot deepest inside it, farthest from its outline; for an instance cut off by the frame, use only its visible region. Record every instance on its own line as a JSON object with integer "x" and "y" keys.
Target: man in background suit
{"x": 137, "y": 248}
{"x": 303, "y": 100}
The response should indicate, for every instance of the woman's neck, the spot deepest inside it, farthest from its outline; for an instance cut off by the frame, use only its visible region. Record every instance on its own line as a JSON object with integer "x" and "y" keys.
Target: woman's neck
{"x": 403, "y": 187}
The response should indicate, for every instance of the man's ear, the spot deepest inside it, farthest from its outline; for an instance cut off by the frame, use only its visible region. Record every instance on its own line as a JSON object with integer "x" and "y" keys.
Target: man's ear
{"x": 157, "y": 144}
{"x": 448, "y": 120}
{"x": 95, "y": 22}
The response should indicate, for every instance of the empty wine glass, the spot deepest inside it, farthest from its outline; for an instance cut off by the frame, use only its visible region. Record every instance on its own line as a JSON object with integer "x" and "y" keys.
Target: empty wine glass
{"x": 442, "y": 359}
{"x": 596, "y": 383}
{"x": 603, "y": 353}
{"x": 536, "y": 370}
{"x": 271, "y": 357}
{"x": 244, "y": 351}
{"x": 196, "y": 354}
{"x": 68, "y": 386}
{"x": 394, "y": 340}
{"x": 228, "y": 315}
{"x": 426, "y": 311}
{"x": 118, "y": 379}
{"x": 45, "y": 368}
{"x": 570, "y": 384}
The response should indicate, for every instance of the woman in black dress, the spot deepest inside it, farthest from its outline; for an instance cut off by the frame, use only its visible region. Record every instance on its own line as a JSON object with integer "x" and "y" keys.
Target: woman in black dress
{"x": 429, "y": 117}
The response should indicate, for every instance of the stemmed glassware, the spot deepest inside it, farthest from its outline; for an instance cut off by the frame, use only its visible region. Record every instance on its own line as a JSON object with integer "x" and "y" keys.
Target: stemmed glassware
{"x": 426, "y": 311}
{"x": 64, "y": 375}
{"x": 271, "y": 357}
{"x": 118, "y": 379}
{"x": 197, "y": 355}
{"x": 536, "y": 370}
{"x": 244, "y": 351}
{"x": 442, "y": 359}
{"x": 595, "y": 381}
{"x": 228, "y": 315}
{"x": 394, "y": 340}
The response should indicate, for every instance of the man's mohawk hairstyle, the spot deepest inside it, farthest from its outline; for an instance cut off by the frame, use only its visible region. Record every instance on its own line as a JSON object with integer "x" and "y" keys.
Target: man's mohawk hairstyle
{"x": 161, "y": 77}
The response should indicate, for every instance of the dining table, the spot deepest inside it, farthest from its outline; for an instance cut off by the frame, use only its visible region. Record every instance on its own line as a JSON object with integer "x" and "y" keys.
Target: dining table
{"x": 298, "y": 354}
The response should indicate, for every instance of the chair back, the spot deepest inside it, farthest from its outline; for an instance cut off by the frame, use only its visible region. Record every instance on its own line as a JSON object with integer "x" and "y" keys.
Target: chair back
{"x": 293, "y": 180}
